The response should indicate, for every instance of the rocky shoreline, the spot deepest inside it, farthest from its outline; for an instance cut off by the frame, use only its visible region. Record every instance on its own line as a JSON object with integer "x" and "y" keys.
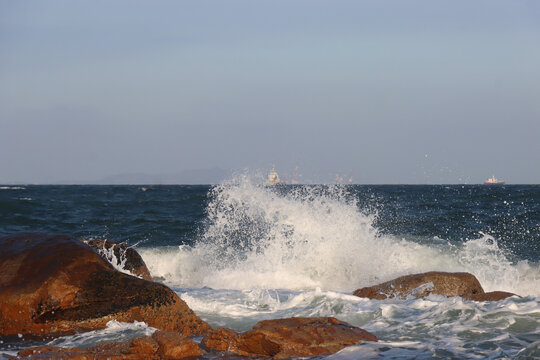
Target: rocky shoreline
{"x": 56, "y": 285}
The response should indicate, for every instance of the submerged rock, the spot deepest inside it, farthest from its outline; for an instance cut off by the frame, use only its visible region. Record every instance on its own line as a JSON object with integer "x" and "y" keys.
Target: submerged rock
{"x": 121, "y": 255}
{"x": 422, "y": 285}
{"x": 54, "y": 284}
{"x": 285, "y": 338}
{"x": 161, "y": 345}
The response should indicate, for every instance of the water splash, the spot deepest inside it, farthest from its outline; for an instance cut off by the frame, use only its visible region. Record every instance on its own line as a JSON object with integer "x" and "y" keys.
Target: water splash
{"x": 114, "y": 331}
{"x": 317, "y": 236}
{"x": 117, "y": 259}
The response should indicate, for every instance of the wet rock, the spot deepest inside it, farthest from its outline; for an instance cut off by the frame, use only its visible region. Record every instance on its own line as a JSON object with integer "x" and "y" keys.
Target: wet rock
{"x": 122, "y": 255}
{"x": 285, "y": 338}
{"x": 421, "y": 285}
{"x": 161, "y": 345}
{"x": 491, "y": 296}
{"x": 140, "y": 348}
{"x": 53, "y": 352}
{"x": 54, "y": 284}
{"x": 175, "y": 346}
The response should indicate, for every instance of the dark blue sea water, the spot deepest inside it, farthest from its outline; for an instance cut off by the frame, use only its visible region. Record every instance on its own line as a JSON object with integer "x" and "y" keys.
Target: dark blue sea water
{"x": 240, "y": 252}
{"x": 173, "y": 215}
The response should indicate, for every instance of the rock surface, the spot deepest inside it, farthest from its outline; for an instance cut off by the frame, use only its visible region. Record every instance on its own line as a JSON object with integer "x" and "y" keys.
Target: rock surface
{"x": 491, "y": 296}
{"x": 175, "y": 346}
{"x": 54, "y": 284}
{"x": 120, "y": 254}
{"x": 285, "y": 338}
{"x": 53, "y": 352}
{"x": 421, "y": 285}
{"x": 161, "y": 345}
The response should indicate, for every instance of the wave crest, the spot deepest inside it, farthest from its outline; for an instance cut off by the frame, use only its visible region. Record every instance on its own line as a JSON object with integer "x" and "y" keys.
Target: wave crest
{"x": 307, "y": 237}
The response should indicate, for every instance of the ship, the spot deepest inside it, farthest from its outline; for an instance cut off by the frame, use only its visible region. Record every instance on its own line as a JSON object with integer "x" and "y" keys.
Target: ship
{"x": 493, "y": 181}
{"x": 273, "y": 178}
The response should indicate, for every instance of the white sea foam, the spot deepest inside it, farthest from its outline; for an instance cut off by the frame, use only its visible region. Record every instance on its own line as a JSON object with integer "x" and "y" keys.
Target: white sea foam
{"x": 414, "y": 328}
{"x": 8, "y": 354}
{"x": 115, "y": 331}
{"x": 317, "y": 237}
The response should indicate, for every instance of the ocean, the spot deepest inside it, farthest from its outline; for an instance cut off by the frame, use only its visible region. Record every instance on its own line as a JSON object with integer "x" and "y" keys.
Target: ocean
{"x": 239, "y": 252}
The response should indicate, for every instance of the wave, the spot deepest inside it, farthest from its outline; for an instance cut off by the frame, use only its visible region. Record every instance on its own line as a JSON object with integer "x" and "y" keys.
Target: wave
{"x": 114, "y": 331}
{"x": 312, "y": 237}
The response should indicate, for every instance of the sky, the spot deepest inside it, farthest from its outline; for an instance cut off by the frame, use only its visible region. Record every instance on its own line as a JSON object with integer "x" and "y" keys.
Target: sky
{"x": 394, "y": 91}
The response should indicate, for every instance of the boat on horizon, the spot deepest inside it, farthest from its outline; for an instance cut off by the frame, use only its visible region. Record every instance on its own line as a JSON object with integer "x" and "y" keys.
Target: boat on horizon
{"x": 273, "y": 178}
{"x": 493, "y": 181}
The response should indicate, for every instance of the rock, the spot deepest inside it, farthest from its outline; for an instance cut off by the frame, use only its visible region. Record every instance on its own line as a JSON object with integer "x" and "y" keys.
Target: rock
{"x": 140, "y": 348}
{"x": 421, "y": 285}
{"x": 285, "y": 338}
{"x": 491, "y": 296}
{"x": 175, "y": 346}
{"x": 223, "y": 339}
{"x": 120, "y": 254}
{"x": 55, "y": 285}
{"x": 53, "y": 352}
{"x": 161, "y": 345}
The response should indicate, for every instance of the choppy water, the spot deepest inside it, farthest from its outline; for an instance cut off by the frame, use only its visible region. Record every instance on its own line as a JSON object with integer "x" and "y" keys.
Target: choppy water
{"x": 239, "y": 253}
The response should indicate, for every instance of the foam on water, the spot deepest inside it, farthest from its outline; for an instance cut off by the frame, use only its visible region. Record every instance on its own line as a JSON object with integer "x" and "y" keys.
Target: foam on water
{"x": 317, "y": 237}
{"x": 413, "y": 328}
{"x": 115, "y": 331}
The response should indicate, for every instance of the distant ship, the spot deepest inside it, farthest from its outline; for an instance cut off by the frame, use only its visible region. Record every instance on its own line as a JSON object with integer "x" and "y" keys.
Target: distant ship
{"x": 493, "y": 181}
{"x": 273, "y": 178}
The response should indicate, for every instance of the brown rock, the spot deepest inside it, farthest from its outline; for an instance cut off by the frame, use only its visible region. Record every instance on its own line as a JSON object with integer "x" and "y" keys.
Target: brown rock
{"x": 285, "y": 338}
{"x": 53, "y": 352}
{"x": 53, "y": 284}
{"x": 137, "y": 349}
{"x": 111, "y": 251}
{"x": 175, "y": 346}
{"x": 491, "y": 296}
{"x": 144, "y": 345}
{"x": 161, "y": 345}
{"x": 223, "y": 339}
{"x": 421, "y": 285}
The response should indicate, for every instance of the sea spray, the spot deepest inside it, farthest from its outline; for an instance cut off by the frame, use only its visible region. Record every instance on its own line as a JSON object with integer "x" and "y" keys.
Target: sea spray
{"x": 306, "y": 237}
{"x": 491, "y": 265}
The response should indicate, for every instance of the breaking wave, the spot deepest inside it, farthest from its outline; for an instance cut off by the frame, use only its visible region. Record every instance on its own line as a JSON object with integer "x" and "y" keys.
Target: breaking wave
{"x": 311, "y": 237}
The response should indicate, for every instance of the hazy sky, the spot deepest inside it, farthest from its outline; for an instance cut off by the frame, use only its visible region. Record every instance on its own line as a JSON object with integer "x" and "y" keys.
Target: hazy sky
{"x": 394, "y": 91}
